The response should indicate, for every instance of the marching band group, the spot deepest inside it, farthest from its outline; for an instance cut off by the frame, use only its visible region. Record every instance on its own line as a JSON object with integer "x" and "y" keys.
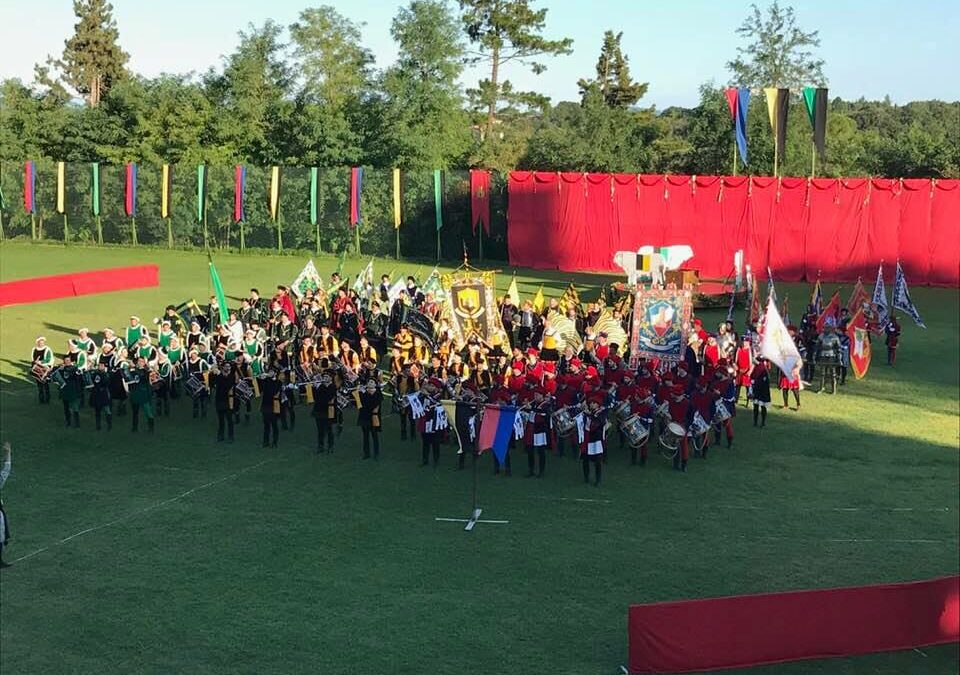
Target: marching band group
{"x": 328, "y": 356}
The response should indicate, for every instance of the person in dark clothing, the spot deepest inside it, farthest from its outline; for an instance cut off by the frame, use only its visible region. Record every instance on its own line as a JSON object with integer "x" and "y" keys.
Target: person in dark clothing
{"x": 368, "y": 418}
{"x": 270, "y": 408}
{"x": 224, "y": 385}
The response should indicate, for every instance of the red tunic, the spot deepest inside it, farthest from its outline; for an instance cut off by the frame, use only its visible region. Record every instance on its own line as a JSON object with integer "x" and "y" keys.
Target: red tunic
{"x": 744, "y": 361}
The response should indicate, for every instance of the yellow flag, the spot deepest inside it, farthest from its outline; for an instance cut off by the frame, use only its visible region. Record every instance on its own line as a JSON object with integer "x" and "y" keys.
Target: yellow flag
{"x": 513, "y": 292}
{"x": 396, "y": 197}
{"x": 61, "y": 187}
{"x": 165, "y": 191}
{"x": 274, "y": 191}
{"x": 538, "y": 300}
{"x": 771, "y": 94}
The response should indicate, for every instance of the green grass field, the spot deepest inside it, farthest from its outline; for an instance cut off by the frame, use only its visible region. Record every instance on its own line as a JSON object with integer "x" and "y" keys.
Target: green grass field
{"x": 172, "y": 553}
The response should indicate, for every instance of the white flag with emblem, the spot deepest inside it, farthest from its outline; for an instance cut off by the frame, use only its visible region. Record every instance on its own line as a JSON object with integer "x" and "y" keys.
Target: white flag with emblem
{"x": 777, "y": 345}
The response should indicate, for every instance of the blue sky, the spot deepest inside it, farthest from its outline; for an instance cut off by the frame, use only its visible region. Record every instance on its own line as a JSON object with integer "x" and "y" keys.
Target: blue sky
{"x": 908, "y": 51}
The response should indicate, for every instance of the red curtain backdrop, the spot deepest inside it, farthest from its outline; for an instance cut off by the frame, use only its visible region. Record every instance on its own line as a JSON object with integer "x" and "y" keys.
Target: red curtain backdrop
{"x": 751, "y": 630}
{"x": 841, "y": 228}
{"x": 39, "y": 289}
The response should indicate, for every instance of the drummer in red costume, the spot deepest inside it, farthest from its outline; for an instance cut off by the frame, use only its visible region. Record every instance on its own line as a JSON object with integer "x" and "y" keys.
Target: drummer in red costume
{"x": 725, "y": 390}
{"x": 641, "y": 403}
{"x": 536, "y": 432}
{"x": 594, "y": 438}
{"x": 743, "y": 362}
{"x": 702, "y": 400}
{"x": 679, "y": 406}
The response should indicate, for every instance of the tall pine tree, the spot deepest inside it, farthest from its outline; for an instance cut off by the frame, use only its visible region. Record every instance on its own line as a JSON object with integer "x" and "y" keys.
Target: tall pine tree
{"x": 92, "y": 59}
{"x": 613, "y": 80}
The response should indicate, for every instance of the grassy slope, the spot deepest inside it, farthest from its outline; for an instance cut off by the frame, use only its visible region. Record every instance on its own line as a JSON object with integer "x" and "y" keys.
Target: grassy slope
{"x": 305, "y": 564}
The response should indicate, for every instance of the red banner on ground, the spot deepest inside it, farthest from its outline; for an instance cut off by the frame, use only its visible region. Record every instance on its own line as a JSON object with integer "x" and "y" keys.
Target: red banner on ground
{"x": 751, "y": 630}
{"x": 39, "y": 289}
{"x": 841, "y": 227}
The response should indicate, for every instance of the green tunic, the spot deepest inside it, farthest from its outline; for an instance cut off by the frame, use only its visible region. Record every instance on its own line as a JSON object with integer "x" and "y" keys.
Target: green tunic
{"x": 134, "y": 333}
{"x": 164, "y": 337}
{"x": 141, "y": 393}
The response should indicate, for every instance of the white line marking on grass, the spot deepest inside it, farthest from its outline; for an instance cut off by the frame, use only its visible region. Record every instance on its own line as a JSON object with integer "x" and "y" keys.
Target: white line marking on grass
{"x": 839, "y": 509}
{"x": 152, "y": 507}
{"x": 857, "y": 541}
{"x": 574, "y": 499}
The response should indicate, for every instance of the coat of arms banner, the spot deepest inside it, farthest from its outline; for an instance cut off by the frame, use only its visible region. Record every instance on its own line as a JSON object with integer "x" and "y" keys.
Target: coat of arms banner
{"x": 472, "y": 305}
{"x": 661, "y": 322}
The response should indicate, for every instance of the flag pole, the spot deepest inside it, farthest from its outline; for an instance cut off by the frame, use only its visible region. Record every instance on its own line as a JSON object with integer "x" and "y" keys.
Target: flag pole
{"x": 99, "y": 231}
{"x": 279, "y": 227}
{"x": 356, "y": 232}
{"x": 66, "y": 228}
{"x": 813, "y": 159}
{"x": 33, "y": 225}
{"x": 397, "y": 230}
{"x": 734, "y": 156}
{"x": 480, "y": 233}
{"x": 133, "y": 229}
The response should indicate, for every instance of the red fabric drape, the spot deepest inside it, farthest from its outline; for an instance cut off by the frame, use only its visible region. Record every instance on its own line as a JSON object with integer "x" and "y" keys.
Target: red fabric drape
{"x": 842, "y": 228}
{"x": 750, "y": 630}
{"x": 39, "y": 289}
{"x": 480, "y": 199}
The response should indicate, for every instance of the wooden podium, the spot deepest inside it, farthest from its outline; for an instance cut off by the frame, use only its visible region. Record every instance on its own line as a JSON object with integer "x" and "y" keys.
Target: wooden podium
{"x": 683, "y": 277}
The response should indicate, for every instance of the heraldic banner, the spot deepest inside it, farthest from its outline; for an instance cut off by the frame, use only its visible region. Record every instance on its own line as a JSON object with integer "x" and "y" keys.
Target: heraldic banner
{"x": 661, "y": 321}
{"x": 472, "y": 300}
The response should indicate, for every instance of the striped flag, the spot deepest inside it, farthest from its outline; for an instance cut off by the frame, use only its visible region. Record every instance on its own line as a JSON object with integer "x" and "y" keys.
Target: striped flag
{"x": 496, "y": 430}
{"x": 166, "y": 190}
{"x": 314, "y": 195}
{"x": 61, "y": 187}
{"x": 239, "y": 187}
{"x": 201, "y": 192}
{"x": 95, "y": 188}
{"x": 274, "y": 192}
{"x": 29, "y": 187}
{"x": 356, "y": 191}
{"x": 130, "y": 190}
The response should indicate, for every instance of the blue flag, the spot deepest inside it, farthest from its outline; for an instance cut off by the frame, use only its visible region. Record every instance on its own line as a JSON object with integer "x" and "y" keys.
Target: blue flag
{"x": 743, "y": 100}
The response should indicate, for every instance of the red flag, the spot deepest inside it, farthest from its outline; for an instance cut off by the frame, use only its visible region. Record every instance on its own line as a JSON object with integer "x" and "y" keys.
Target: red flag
{"x": 857, "y": 331}
{"x": 857, "y": 298}
{"x": 480, "y": 199}
{"x": 732, "y": 96}
{"x": 832, "y": 310}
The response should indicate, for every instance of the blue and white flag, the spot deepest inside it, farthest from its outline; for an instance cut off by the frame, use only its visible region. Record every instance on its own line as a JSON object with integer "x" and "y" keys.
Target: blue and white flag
{"x": 901, "y": 297}
{"x": 879, "y": 300}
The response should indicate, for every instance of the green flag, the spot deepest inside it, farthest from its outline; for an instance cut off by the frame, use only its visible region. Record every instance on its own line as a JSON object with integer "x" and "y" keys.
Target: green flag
{"x": 343, "y": 257}
{"x": 809, "y": 95}
{"x": 314, "y": 205}
{"x": 201, "y": 192}
{"x": 218, "y": 290}
{"x": 438, "y": 197}
{"x": 95, "y": 188}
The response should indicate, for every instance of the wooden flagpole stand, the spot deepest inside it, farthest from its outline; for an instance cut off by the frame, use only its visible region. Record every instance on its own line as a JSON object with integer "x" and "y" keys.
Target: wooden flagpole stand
{"x": 475, "y": 511}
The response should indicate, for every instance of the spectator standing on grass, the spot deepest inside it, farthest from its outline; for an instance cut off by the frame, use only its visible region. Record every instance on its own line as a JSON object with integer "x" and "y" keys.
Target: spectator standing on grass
{"x": 4, "y": 523}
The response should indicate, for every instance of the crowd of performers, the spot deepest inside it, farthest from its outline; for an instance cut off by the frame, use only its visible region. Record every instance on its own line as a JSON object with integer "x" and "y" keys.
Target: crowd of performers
{"x": 279, "y": 354}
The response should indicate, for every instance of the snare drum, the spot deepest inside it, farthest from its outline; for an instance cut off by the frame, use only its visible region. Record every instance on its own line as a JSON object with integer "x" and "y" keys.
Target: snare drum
{"x": 194, "y": 386}
{"x": 720, "y": 413}
{"x": 698, "y": 427}
{"x": 621, "y": 411}
{"x": 635, "y": 430}
{"x": 672, "y": 435}
{"x": 58, "y": 378}
{"x": 243, "y": 390}
{"x": 565, "y": 420}
{"x": 344, "y": 400}
{"x": 40, "y": 372}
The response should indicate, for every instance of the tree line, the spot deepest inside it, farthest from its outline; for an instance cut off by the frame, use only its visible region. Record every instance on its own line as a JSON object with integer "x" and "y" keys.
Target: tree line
{"x": 308, "y": 94}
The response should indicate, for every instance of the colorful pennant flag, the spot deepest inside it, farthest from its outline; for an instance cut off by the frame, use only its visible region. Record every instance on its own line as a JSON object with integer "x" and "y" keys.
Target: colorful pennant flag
{"x": 130, "y": 190}
{"x": 29, "y": 187}
{"x": 308, "y": 280}
{"x": 816, "y": 297}
{"x": 830, "y": 313}
{"x": 438, "y": 197}
{"x": 434, "y": 286}
{"x": 743, "y": 104}
{"x": 314, "y": 195}
{"x": 815, "y": 99}
{"x": 274, "y": 192}
{"x": 901, "y": 297}
{"x": 218, "y": 291}
{"x": 857, "y": 298}
{"x": 364, "y": 280}
{"x": 732, "y": 94}
{"x": 356, "y": 193}
{"x": 571, "y": 298}
{"x": 538, "y": 300}
{"x": 166, "y": 190}
{"x": 397, "y": 216}
{"x": 496, "y": 430}
{"x": 513, "y": 292}
{"x": 859, "y": 344}
{"x": 778, "y": 105}
{"x": 95, "y": 188}
{"x": 61, "y": 187}
{"x": 480, "y": 199}
{"x": 239, "y": 192}
{"x": 201, "y": 192}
